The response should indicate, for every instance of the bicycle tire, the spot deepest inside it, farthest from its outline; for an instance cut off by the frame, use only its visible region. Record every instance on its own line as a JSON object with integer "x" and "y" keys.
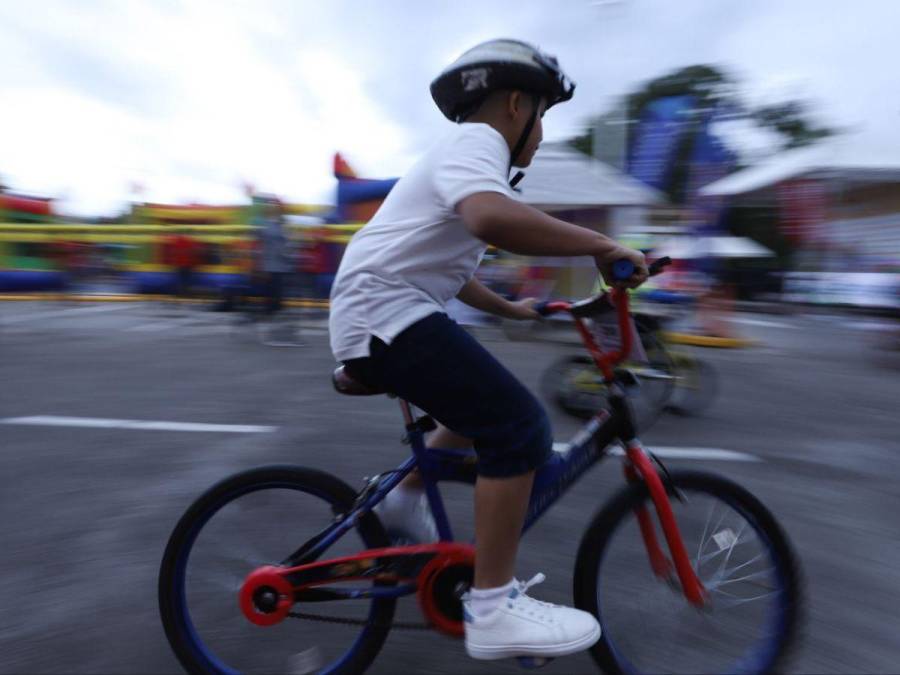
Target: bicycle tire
{"x": 180, "y": 632}
{"x": 558, "y": 383}
{"x": 768, "y": 655}
{"x": 696, "y": 386}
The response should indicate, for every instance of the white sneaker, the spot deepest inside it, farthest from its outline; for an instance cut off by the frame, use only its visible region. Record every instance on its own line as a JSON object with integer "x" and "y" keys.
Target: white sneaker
{"x": 523, "y": 626}
{"x": 407, "y": 517}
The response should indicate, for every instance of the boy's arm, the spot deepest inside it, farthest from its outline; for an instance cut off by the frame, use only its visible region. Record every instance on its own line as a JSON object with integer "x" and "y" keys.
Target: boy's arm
{"x": 519, "y": 228}
{"x": 476, "y": 294}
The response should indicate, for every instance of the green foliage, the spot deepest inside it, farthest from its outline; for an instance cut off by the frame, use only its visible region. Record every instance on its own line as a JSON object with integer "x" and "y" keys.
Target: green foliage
{"x": 706, "y": 83}
{"x": 585, "y": 142}
{"x": 710, "y": 87}
{"x": 791, "y": 121}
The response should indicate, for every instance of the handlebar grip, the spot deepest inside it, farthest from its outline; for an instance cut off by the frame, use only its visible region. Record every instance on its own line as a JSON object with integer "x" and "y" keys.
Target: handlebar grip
{"x": 543, "y": 308}
{"x": 622, "y": 270}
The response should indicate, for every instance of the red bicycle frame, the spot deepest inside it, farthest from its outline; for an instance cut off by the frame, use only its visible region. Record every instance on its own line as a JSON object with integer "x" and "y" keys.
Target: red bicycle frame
{"x": 638, "y": 465}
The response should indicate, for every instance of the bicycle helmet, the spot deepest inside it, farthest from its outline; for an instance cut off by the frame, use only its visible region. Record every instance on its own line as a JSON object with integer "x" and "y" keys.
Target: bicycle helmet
{"x": 495, "y": 65}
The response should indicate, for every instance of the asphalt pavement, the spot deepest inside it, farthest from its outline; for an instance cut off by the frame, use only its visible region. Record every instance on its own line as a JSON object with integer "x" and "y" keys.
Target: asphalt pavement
{"x": 114, "y": 416}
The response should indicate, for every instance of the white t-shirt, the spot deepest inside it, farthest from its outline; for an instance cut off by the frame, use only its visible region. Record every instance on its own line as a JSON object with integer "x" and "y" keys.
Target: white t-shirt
{"x": 416, "y": 253}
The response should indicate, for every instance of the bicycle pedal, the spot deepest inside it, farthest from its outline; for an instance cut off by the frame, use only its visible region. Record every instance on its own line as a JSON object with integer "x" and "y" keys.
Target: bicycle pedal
{"x": 532, "y": 662}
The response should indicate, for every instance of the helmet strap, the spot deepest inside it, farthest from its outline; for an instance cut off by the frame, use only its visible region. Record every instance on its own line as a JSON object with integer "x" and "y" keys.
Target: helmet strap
{"x": 523, "y": 138}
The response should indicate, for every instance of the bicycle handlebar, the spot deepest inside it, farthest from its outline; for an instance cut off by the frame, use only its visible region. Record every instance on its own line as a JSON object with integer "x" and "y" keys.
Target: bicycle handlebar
{"x": 622, "y": 270}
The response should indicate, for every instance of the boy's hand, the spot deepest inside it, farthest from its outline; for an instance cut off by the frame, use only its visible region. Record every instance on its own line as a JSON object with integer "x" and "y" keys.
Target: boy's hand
{"x": 522, "y": 310}
{"x": 605, "y": 263}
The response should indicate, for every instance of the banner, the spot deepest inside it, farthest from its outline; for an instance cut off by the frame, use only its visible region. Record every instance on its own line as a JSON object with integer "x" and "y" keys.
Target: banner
{"x": 710, "y": 161}
{"x": 662, "y": 124}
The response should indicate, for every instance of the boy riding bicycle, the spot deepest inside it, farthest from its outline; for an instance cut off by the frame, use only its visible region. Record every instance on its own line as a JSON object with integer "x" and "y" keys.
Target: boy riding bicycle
{"x": 388, "y": 325}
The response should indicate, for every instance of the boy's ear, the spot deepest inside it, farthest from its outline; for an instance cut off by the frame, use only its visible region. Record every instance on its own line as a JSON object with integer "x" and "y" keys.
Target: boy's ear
{"x": 513, "y": 103}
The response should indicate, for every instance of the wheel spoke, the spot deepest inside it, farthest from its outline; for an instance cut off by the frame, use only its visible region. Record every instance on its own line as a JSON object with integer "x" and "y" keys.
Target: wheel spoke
{"x": 737, "y": 538}
{"x": 736, "y": 601}
{"x": 752, "y": 575}
{"x": 712, "y": 507}
{"x": 649, "y": 627}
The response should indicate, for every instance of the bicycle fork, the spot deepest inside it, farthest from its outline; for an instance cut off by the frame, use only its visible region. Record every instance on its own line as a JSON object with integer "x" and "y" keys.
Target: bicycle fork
{"x": 638, "y": 467}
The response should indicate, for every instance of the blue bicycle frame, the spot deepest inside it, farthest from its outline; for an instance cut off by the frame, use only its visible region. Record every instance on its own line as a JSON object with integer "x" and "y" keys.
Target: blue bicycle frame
{"x": 435, "y": 465}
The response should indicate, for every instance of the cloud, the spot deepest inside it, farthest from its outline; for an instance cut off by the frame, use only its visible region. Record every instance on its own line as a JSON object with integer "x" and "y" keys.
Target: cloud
{"x": 192, "y": 98}
{"x": 208, "y": 111}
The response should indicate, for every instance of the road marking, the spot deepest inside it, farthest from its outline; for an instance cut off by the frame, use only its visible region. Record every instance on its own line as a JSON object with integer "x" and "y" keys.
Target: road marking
{"x": 149, "y": 327}
{"x": 144, "y": 425}
{"x": 155, "y": 326}
{"x": 873, "y": 325}
{"x": 37, "y": 316}
{"x": 761, "y": 322}
{"x": 683, "y": 453}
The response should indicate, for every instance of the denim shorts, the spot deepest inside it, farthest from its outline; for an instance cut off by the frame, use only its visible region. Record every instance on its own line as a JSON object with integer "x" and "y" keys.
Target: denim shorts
{"x": 438, "y": 367}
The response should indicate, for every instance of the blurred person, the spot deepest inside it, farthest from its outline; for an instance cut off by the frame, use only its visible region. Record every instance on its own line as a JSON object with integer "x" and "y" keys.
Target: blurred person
{"x": 321, "y": 264}
{"x": 715, "y": 310}
{"x": 71, "y": 258}
{"x": 389, "y": 327}
{"x": 307, "y": 268}
{"x": 316, "y": 277}
{"x": 274, "y": 262}
{"x": 184, "y": 256}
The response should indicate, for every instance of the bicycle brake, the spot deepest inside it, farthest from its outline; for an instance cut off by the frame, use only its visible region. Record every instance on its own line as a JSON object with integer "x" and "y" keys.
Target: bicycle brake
{"x": 667, "y": 478}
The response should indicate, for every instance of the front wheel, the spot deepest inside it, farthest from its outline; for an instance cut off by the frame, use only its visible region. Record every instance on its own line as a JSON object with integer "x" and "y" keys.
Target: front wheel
{"x": 260, "y": 517}
{"x": 696, "y": 385}
{"x": 742, "y": 558}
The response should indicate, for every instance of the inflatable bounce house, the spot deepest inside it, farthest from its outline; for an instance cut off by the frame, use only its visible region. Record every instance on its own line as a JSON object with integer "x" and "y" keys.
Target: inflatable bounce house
{"x": 25, "y": 209}
{"x": 41, "y": 252}
{"x": 357, "y": 198}
{"x": 29, "y": 264}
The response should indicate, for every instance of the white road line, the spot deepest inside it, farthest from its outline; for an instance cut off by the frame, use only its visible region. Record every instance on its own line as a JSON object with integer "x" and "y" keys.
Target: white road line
{"x": 155, "y": 326}
{"x": 143, "y": 425}
{"x": 761, "y": 322}
{"x": 873, "y": 325}
{"x": 149, "y": 327}
{"x": 205, "y": 330}
{"x": 37, "y": 316}
{"x": 683, "y": 453}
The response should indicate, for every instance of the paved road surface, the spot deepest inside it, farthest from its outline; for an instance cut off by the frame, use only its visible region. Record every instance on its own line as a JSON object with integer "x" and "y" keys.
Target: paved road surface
{"x": 87, "y": 505}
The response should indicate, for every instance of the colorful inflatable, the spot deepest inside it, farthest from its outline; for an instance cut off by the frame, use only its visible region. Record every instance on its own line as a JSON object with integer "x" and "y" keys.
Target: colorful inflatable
{"x": 25, "y": 209}
{"x": 37, "y": 253}
{"x": 357, "y": 198}
{"x": 190, "y": 214}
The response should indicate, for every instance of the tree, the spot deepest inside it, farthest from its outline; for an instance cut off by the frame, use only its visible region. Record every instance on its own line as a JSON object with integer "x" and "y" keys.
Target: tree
{"x": 790, "y": 119}
{"x": 709, "y": 88}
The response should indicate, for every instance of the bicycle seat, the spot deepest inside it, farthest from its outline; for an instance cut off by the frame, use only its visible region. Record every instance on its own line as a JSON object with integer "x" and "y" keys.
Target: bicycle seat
{"x": 344, "y": 384}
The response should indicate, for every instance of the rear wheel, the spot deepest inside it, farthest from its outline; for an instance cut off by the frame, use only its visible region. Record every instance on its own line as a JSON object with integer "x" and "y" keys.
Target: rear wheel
{"x": 696, "y": 385}
{"x": 741, "y": 557}
{"x": 576, "y": 386}
{"x": 256, "y": 518}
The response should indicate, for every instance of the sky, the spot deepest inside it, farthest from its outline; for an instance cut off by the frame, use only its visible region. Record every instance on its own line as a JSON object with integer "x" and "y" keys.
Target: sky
{"x": 190, "y": 101}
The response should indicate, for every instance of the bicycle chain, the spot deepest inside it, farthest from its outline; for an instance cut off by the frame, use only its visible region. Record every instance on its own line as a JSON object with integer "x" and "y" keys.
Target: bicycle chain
{"x": 402, "y": 625}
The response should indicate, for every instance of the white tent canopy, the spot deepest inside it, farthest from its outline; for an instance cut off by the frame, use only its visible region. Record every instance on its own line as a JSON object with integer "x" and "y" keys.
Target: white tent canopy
{"x": 563, "y": 178}
{"x": 830, "y": 159}
{"x": 683, "y": 247}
